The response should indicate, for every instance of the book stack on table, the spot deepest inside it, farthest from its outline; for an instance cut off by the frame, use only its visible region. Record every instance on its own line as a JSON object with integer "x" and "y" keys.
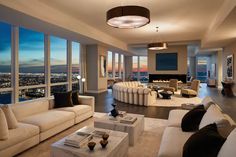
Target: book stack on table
{"x": 128, "y": 120}
{"x": 76, "y": 140}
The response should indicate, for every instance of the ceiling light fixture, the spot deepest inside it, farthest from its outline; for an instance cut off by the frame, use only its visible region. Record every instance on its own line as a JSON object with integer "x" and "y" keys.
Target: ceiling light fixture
{"x": 157, "y": 45}
{"x": 128, "y": 17}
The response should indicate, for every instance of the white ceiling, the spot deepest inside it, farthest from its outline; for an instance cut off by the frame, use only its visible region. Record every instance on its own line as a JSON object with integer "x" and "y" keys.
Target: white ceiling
{"x": 210, "y": 23}
{"x": 179, "y": 20}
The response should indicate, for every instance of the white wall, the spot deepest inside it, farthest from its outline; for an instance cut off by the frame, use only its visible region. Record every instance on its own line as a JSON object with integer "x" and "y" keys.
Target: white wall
{"x": 229, "y": 50}
{"x": 182, "y": 60}
{"x": 95, "y": 83}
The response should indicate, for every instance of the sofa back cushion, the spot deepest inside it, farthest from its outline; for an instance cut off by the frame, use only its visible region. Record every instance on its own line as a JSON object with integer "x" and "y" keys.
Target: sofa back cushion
{"x": 4, "y": 134}
{"x": 25, "y": 109}
{"x": 214, "y": 115}
{"x": 228, "y": 148}
{"x": 10, "y": 116}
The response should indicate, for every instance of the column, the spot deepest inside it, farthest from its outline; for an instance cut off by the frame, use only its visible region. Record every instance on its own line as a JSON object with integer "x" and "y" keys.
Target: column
{"x": 15, "y": 63}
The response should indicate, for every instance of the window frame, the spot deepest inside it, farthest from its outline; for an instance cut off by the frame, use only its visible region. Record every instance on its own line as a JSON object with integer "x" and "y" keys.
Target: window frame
{"x": 15, "y": 88}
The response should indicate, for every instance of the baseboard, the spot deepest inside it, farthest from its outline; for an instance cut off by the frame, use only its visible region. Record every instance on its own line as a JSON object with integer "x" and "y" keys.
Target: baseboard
{"x": 96, "y": 91}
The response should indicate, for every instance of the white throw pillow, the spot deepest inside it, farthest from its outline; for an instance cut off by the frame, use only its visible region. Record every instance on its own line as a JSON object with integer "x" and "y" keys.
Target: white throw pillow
{"x": 214, "y": 115}
{"x": 207, "y": 102}
{"x": 4, "y": 134}
{"x": 10, "y": 117}
{"x": 228, "y": 148}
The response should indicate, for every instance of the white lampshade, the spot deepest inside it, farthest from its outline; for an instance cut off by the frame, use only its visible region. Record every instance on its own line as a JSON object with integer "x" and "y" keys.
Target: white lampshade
{"x": 83, "y": 79}
{"x": 78, "y": 77}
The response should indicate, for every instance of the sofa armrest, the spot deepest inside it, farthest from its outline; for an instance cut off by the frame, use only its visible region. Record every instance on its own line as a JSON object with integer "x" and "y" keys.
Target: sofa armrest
{"x": 87, "y": 100}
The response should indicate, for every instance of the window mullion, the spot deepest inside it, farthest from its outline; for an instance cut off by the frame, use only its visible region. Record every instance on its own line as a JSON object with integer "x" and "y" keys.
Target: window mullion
{"x": 69, "y": 64}
{"x": 15, "y": 63}
{"x": 47, "y": 65}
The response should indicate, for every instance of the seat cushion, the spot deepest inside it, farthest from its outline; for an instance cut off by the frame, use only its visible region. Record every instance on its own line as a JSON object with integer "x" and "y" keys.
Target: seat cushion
{"x": 49, "y": 119}
{"x": 21, "y": 133}
{"x": 188, "y": 92}
{"x": 78, "y": 109}
{"x": 172, "y": 142}
{"x": 175, "y": 117}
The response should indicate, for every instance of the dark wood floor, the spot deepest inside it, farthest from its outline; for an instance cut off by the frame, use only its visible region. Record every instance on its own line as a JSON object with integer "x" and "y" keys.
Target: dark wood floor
{"x": 104, "y": 101}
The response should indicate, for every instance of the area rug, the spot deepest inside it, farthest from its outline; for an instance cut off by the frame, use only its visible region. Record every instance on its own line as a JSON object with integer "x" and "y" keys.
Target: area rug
{"x": 147, "y": 146}
{"x": 176, "y": 101}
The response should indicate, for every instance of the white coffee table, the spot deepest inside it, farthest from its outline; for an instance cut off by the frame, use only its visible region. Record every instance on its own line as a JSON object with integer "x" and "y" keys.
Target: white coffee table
{"x": 118, "y": 144}
{"x": 134, "y": 130}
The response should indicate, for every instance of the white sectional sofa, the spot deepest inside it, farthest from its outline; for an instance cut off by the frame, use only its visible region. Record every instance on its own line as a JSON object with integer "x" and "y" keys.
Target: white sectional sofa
{"x": 39, "y": 121}
{"x": 134, "y": 93}
{"x": 174, "y": 138}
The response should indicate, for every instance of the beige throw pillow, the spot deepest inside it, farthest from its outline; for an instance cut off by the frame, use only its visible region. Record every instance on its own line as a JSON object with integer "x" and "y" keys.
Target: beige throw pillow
{"x": 214, "y": 115}
{"x": 4, "y": 134}
{"x": 10, "y": 117}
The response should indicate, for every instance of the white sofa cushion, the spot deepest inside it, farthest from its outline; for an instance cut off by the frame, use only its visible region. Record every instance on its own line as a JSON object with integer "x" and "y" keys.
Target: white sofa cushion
{"x": 175, "y": 117}
{"x": 29, "y": 108}
{"x": 172, "y": 142}
{"x": 21, "y": 133}
{"x": 78, "y": 109}
{"x": 228, "y": 148}
{"x": 49, "y": 119}
{"x": 10, "y": 117}
{"x": 4, "y": 134}
{"x": 214, "y": 115}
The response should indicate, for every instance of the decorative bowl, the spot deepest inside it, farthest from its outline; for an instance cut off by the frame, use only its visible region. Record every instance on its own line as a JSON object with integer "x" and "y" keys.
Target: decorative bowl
{"x": 91, "y": 145}
{"x": 103, "y": 143}
{"x": 105, "y": 137}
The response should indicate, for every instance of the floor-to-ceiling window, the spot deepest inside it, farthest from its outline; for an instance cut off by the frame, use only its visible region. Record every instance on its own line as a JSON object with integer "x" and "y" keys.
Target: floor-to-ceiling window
{"x": 116, "y": 65}
{"x": 28, "y": 72}
{"x": 5, "y": 64}
{"x": 139, "y": 69}
{"x": 109, "y": 64}
{"x": 58, "y": 64}
{"x": 143, "y": 69}
{"x": 75, "y": 65}
{"x": 135, "y": 68}
{"x": 122, "y": 66}
{"x": 31, "y": 64}
{"x": 202, "y": 69}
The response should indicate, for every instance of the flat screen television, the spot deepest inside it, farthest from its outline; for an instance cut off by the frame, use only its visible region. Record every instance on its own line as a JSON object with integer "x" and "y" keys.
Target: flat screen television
{"x": 166, "y": 61}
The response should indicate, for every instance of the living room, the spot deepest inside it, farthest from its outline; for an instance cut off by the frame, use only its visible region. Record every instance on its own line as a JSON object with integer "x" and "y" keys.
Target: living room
{"x": 125, "y": 78}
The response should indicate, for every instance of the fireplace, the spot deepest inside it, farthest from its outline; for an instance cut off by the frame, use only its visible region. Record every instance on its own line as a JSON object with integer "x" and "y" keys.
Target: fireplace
{"x": 167, "y": 77}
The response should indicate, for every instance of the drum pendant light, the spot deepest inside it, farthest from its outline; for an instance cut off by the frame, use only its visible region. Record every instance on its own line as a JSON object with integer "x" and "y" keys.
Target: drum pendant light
{"x": 128, "y": 17}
